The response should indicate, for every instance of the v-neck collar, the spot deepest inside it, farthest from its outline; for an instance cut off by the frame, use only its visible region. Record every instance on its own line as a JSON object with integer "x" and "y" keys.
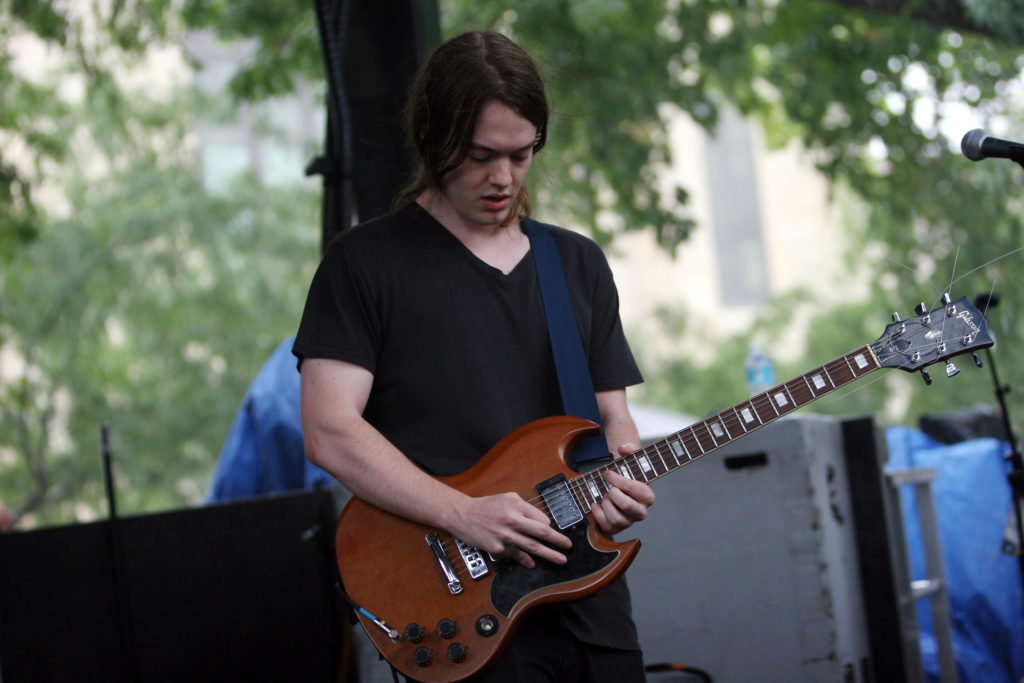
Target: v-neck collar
{"x": 521, "y": 266}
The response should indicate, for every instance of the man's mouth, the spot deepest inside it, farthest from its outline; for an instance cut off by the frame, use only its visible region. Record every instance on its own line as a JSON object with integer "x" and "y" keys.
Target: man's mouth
{"x": 496, "y": 202}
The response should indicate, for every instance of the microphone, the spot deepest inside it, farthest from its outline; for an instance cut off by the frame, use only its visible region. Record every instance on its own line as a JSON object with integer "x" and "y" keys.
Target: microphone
{"x": 977, "y": 146}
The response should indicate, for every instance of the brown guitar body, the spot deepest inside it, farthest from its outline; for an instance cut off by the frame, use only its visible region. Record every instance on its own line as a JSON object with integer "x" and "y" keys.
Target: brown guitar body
{"x": 389, "y": 569}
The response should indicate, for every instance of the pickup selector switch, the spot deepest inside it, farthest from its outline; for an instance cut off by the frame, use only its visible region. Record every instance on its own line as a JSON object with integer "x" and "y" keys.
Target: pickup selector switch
{"x": 487, "y": 625}
{"x": 446, "y": 628}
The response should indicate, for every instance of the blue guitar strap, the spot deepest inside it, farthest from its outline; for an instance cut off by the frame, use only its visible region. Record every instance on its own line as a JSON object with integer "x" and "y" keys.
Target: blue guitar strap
{"x": 578, "y": 397}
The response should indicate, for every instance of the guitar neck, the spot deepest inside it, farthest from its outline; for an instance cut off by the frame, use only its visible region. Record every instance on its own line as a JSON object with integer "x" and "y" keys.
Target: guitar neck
{"x": 705, "y": 436}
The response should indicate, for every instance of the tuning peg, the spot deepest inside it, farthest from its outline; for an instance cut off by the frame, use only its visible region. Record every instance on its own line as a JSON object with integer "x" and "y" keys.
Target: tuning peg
{"x": 920, "y": 309}
{"x": 977, "y": 360}
{"x": 926, "y": 376}
{"x": 946, "y": 299}
{"x": 895, "y": 316}
{"x": 951, "y": 369}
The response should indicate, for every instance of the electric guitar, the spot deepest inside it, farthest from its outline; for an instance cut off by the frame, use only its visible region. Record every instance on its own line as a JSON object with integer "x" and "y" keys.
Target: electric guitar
{"x": 440, "y": 610}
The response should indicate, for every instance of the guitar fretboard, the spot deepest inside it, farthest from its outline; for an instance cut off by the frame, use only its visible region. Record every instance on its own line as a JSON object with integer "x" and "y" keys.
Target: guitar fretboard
{"x": 683, "y": 447}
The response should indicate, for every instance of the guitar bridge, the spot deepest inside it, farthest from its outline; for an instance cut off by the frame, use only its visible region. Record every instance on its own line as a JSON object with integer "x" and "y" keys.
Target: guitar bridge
{"x": 434, "y": 541}
{"x": 562, "y": 505}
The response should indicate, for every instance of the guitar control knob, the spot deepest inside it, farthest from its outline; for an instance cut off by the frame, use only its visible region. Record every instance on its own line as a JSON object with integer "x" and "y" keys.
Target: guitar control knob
{"x": 446, "y": 628}
{"x": 414, "y": 633}
{"x": 487, "y": 625}
{"x": 423, "y": 656}
{"x": 457, "y": 652}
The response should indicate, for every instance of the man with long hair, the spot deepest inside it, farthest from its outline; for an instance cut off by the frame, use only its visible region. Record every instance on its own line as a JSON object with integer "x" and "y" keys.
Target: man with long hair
{"x": 424, "y": 342}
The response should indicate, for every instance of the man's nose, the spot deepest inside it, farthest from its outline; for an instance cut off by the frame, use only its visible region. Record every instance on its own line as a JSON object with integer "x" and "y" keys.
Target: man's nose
{"x": 501, "y": 172}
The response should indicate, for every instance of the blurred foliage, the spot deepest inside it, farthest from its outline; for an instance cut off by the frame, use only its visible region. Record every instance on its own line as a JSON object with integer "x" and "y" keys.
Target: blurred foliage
{"x": 133, "y": 294}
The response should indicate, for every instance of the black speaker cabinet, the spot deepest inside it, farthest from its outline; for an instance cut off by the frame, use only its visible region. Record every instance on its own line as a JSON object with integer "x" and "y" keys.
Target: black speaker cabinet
{"x": 243, "y": 591}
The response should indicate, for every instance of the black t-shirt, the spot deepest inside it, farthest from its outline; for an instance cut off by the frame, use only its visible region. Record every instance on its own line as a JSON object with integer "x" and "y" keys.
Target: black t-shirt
{"x": 459, "y": 350}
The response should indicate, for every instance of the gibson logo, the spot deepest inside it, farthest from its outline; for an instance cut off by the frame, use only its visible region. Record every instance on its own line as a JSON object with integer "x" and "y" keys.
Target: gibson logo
{"x": 969, "y": 319}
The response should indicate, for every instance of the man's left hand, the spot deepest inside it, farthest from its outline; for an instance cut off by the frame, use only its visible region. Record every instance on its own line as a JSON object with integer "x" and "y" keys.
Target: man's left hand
{"x": 626, "y": 502}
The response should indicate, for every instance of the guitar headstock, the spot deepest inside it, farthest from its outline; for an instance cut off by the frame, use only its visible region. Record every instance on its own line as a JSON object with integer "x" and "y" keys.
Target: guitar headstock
{"x": 954, "y": 328}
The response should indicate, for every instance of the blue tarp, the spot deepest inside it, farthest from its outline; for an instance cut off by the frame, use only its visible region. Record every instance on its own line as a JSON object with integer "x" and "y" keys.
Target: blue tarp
{"x": 263, "y": 452}
{"x": 973, "y": 503}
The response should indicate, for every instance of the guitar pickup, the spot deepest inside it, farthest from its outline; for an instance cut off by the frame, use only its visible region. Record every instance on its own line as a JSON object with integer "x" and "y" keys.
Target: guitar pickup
{"x": 562, "y": 506}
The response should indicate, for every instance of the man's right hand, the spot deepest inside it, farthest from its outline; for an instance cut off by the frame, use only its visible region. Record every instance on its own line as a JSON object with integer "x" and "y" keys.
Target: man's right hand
{"x": 505, "y": 525}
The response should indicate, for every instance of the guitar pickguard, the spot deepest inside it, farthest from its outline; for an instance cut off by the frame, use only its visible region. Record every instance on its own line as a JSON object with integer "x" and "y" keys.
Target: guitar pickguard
{"x": 512, "y": 581}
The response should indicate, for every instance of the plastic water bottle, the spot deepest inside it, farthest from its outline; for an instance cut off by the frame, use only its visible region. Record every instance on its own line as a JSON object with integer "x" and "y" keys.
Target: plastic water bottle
{"x": 760, "y": 373}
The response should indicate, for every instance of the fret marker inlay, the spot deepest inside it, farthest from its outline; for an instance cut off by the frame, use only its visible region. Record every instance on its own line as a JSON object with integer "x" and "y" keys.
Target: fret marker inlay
{"x": 747, "y": 415}
{"x": 645, "y": 464}
{"x": 819, "y": 383}
{"x": 780, "y": 399}
{"x": 678, "y": 449}
{"x": 862, "y": 362}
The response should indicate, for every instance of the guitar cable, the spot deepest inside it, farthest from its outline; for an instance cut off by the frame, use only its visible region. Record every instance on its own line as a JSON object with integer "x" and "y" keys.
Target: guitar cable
{"x": 393, "y": 634}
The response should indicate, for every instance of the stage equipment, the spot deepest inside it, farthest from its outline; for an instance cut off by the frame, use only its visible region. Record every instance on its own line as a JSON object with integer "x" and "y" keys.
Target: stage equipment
{"x": 371, "y": 51}
{"x": 977, "y": 146}
{"x": 988, "y": 301}
{"x": 241, "y": 591}
{"x": 777, "y": 561}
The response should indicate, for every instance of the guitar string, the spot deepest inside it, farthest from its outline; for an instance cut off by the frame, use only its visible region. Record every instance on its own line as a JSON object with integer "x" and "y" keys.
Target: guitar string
{"x": 799, "y": 385}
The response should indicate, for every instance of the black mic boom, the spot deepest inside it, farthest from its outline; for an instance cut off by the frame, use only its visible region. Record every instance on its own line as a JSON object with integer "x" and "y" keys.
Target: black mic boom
{"x": 977, "y": 146}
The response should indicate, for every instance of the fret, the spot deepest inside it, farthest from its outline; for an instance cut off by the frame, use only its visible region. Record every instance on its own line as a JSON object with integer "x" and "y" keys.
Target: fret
{"x": 733, "y": 430}
{"x": 694, "y": 433}
{"x": 853, "y": 374}
{"x": 739, "y": 420}
{"x": 622, "y": 466}
{"x": 809, "y": 387}
{"x": 794, "y": 394}
{"x": 784, "y": 398}
{"x": 661, "y": 458}
{"x": 720, "y": 429}
{"x": 579, "y": 491}
{"x": 707, "y": 428}
{"x": 593, "y": 490}
{"x": 748, "y": 415}
{"x": 771, "y": 402}
{"x": 678, "y": 448}
{"x": 645, "y": 466}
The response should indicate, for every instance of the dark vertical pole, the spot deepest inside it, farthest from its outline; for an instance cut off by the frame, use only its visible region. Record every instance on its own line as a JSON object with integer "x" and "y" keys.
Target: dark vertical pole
{"x": 115, "y": 547}
{"x": 371, "y": 51}
{"x": 339, "y": 202}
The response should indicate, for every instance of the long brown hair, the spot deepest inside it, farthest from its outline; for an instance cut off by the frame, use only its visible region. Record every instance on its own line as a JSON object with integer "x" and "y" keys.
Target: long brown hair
{"x": 446, "y": 98}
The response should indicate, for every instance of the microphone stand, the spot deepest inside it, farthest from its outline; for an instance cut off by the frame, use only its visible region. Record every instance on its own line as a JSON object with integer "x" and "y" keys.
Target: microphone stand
{"x": 1016, "y": 475}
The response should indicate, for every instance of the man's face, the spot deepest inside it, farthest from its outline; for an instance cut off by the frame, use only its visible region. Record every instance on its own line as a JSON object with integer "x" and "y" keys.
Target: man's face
{"x": 483, "y": 188}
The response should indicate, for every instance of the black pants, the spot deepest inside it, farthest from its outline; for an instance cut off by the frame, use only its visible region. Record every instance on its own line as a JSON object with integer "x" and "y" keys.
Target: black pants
{"x": 543, "y": 651}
